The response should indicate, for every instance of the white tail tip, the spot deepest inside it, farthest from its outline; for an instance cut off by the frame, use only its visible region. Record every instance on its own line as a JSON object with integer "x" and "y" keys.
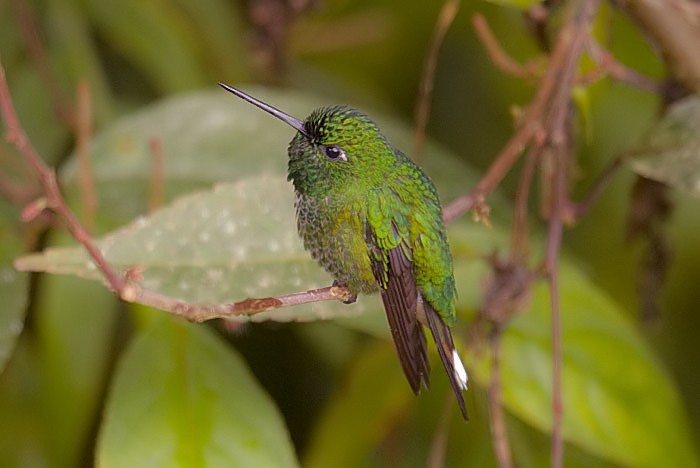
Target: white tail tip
{"x": 460, "y": 371}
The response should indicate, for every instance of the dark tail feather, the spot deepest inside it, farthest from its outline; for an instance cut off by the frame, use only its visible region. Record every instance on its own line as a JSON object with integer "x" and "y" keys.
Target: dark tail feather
{"x": 400, "y": 302}
{"x": 448, "y": 355}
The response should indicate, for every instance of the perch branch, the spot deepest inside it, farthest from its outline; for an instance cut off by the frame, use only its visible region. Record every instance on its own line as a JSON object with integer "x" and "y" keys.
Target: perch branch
{"x": 252, "y": 306}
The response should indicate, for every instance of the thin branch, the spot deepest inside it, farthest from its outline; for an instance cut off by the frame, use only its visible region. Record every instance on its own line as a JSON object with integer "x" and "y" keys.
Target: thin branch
{"x": 499, "y": 435}
{"x": 252, "y": 306}
{"x": 545, "y": 124}
{"x": 494, "y": 174}
{"x": 47, "y": 178}
{"x": 574, "y": 211}
{"x": 551, "y": 262}
{"x": 425, "y": 90}
{"x": 609, "y": 66}
{"x": 498, "y": 56}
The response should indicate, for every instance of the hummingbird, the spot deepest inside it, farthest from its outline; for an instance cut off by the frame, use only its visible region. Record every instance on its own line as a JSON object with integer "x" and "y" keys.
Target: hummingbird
{"x": 372, "y": 218}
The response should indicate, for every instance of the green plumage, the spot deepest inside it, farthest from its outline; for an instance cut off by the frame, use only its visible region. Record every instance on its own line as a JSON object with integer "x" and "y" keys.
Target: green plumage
{"x": 373, "y": 220}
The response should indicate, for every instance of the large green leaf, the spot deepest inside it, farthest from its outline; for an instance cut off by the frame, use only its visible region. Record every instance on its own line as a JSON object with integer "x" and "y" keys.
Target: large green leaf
{"x": 183, "y": 398}
{"x": 236, "y": 241}
{"x": 619, "y": 402}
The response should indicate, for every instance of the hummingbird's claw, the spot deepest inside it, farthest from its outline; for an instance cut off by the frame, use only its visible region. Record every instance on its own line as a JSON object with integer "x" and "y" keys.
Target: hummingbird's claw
{"x": 343, "y": 293}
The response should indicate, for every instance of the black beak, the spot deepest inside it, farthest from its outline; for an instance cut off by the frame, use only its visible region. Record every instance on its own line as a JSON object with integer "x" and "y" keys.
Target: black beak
{"x": 283, "y": 116}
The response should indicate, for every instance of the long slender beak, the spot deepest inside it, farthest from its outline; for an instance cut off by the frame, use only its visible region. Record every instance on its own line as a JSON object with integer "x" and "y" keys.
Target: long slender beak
{"x": 283, "y": 116}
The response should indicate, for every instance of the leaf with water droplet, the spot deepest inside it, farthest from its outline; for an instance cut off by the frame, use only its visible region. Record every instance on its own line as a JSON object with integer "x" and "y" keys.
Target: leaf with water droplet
{"x": 670, "y": 152}
{"x": 236, "y": 241}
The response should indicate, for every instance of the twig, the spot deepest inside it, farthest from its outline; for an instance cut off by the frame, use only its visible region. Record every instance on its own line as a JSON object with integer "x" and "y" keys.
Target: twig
{"x": 496, "y": 53}
{"x": 47, "y": 178}
{"x": 574, "y": 211}
{"x": 499, "y": 435}
{"x": 495, "y": 173}
{"x": 425, "y": 90}
{"x": 157, "y": 181}
{"x": 83, "y": 133}
{"x": 551, "y": 262}
{"x": 608, "y": 66}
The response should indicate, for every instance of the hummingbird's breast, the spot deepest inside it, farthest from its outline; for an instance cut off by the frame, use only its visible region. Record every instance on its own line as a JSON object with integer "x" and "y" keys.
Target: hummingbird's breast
{"x": 331, "y": 228}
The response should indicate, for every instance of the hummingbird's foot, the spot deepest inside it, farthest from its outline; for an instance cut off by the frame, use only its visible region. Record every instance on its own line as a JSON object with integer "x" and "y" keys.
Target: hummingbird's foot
{"x": 343, "y": 293}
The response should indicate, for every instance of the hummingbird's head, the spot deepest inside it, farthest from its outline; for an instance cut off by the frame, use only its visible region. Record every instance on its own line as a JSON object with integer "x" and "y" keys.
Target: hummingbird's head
{"x": 340, "y": 148}
{"x": 333, "y": 147}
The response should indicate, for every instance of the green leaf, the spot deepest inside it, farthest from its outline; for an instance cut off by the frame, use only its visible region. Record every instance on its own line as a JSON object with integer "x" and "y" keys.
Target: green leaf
{"x": 618, "y": 401}
{"x": 670, "y": 153}
{"x": 182, "y": 398}
{"x": 236, "y": 241}
{"x": 75, "y": 337}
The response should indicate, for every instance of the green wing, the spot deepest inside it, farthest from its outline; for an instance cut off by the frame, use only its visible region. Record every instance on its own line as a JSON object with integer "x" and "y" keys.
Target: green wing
{"x": 392, "y": 268}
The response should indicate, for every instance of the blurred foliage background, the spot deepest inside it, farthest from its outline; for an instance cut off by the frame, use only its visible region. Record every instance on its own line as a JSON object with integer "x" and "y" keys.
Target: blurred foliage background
{"x": 88, "y": 378}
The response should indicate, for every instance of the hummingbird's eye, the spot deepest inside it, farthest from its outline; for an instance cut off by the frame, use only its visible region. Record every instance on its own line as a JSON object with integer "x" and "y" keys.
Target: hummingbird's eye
{"x": 335, "y": 153}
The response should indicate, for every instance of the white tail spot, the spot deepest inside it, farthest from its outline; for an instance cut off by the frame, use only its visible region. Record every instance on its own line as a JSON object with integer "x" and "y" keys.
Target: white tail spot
{"x": 460, "y": 372}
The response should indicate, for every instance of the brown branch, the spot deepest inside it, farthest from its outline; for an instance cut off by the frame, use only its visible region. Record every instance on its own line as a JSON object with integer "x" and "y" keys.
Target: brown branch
{"x": 499, "y": 435}
{"x": 498, "y": 56}
{"x": 494, "y": 174}
{"x": 425, "y": 90}
{"x": 574, "y": 211}
{"x": 551, "y": 264}
{"x": 252, "y": 306}
{"x": 546, "y": 125}
{"x": 47, "y": 178}
{"x": 609, "y": 66}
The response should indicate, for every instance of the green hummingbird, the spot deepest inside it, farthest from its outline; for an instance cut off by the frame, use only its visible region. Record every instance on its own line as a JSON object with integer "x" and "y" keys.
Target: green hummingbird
{"x": 372, "y": 218}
